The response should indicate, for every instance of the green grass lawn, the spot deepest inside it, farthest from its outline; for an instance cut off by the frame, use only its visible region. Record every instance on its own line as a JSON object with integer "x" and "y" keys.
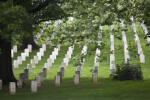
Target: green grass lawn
{"x": 105, "y": 89}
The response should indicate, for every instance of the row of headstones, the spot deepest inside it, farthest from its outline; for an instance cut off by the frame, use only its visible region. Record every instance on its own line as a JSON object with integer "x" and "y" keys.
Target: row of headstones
{"x": 125, "y": 45}
{"x": 23, "y": 56}
{"x": 40, "y": 78}
{"x": 112, "y": 55}
{"x": 12, "y": 87}
{"x": 79, "y": 68}
{"x": 145, "y": 31}
{"x": 36, "y": 58}
{"x": 24, "y": 75}
{"x": 64, "y": 64}
{"x": 96, "y": 59}
{"x": 138, "y": 44}
{"x": 52, "y": 58}
{"x": 96, "y": 66}
{"x": 13, "y": 50}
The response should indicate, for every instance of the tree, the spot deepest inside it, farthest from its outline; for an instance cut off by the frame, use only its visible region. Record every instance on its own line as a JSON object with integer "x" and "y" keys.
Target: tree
{"x": 39, "y": 11}
{"x": 18, "y": 19}
{"x": 12, "y": 26}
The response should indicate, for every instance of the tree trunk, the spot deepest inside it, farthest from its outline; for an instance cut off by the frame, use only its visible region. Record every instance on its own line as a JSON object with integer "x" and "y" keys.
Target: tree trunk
{"x": 29, "y": 40}
{"x": 6, "y": 71}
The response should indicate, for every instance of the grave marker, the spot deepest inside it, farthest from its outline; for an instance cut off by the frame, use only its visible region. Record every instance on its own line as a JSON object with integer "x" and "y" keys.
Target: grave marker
{"x": 41, "y": 75}
{"x": 76, "y": 79}
{"x": 23, "y": 56}
{"x": 46, "y": 66}
{"x": 36, "y": 59}
{"x": 38, "y": 79}
{"x": 39, "y": 55}
{"x": 33, "y": 86}
{"x": 42, "y": 51}
{"x": 78, "y": 72}
{"x": 26, "y": 51}
{"x": 60, "y": 74}
{"x": 22, "y": 77}
{"x": 19, "y": 59}
{"x": 30, "y": 47}
{"x": 94, "y": 77}
{"x": 63, "y": 64}
{"x": 33, "y": 63}
{"x": 19, "y": 83}
{"x": 26, "y": 72}
{"x": 29, "y": 66}
{"x": 15, "y": 48}
{"x": 142, "y": 58}
{"x": 44, "y": 47}
{"x": 57, "y": 80}
{"x": 62, "y": 69}
{"x": 12, "y": 88}
{"x": 44, "y": 70}
{"x": 15, "y": 64}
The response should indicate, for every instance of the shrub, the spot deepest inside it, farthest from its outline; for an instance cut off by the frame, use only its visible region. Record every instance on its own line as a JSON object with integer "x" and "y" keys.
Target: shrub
{"x": 128, "y": 72}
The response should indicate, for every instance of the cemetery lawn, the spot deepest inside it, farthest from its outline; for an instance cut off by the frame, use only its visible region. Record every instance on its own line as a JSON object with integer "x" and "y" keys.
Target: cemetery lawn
{"x": 105, "y": 89}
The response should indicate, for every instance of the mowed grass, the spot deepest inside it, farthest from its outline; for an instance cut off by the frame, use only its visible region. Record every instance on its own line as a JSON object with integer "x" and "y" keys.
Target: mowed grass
{"x": 105, "y": 89}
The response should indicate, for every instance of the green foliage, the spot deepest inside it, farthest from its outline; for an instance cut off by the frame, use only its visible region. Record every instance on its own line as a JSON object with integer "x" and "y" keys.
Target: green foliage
{"x": 78, "y": 60}
{"x": 102, "y": 58}
{"x": 128, "y": 72}
{"x": 94, "y": 70}
{"x": 118, "y": 47}
{"x": 12, "y": 21}
{"x": 133, "y": 49}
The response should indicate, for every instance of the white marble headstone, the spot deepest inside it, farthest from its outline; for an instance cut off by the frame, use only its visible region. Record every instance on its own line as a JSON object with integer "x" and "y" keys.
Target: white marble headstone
{"x": 15, "y": 64}
{"x": 33, "y": 86}
{"x": 52, "y": 58}
{"x": 94, "y": 77}
{"x": 39, "y": 55}
{"x": 46, "y": 66}
{"x": 33, "y": 63}
{"x": 49, "y": 62}
{"x": 66, "y": 60}
{"x": 30, "y": 47}
{"x": 42, "y": 51}
{"x": 15, "y": 48}
{"x": 142, "y": 58}
{"x": 26, "y": 51}
{"x": 12, "y": 88}
{"x": 36, "y": 59}
{"x": 19, "y": 59}
{"x": 44, "y": 47}
{"x": 76, "y": 79}
{"x": 29, "y": 66}
{"x": 57, "y": 80}
{"x": 23, "y": 56}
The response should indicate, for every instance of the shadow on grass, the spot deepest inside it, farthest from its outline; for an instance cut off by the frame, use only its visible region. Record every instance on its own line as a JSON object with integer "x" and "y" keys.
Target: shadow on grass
{"x": 105, "y": 89}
